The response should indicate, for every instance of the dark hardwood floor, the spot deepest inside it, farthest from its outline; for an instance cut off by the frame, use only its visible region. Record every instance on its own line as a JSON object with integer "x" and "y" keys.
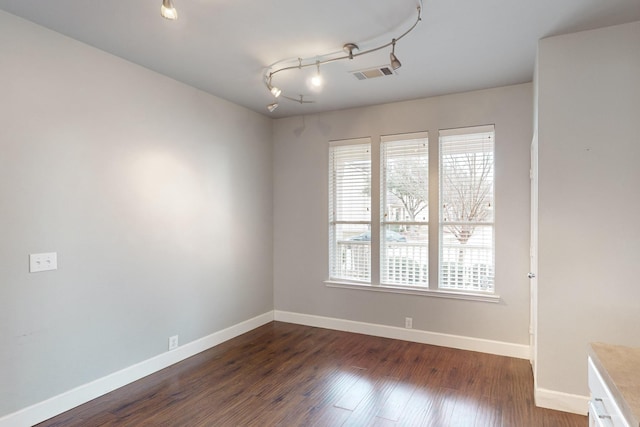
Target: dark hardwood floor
{"x": 290, "y": 375}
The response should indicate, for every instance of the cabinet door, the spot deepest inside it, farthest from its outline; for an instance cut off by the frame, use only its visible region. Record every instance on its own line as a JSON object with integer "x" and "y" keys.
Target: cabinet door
{"x": 604, "y": 411}
{"x": 598, "y": 416}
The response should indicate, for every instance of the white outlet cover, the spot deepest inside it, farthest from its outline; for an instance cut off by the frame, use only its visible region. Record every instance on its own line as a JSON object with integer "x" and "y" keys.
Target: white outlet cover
{"x": 43, "y": 262}
{"x": 173, "y": 342}
{"x": 408, "y": 322}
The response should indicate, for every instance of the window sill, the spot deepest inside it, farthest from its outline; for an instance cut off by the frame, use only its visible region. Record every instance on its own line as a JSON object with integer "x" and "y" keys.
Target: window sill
{"x": 437, "y": 293}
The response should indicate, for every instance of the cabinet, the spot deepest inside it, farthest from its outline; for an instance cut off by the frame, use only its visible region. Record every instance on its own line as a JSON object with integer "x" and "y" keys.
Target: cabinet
{"x": 614, "y": 384}
{"x": 604, "y": 411}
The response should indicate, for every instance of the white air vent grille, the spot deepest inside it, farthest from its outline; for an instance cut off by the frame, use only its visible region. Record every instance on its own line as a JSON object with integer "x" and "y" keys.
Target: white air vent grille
{"x": 372, "y": 73}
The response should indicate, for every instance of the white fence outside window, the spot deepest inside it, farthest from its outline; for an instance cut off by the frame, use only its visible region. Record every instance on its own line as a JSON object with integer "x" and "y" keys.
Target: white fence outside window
{"x": 460, "y": 264}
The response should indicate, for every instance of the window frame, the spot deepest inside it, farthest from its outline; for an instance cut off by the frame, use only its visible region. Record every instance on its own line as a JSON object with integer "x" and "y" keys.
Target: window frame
{"x": 467, "y": 273}
{"x": 377, "y": 222}
{"x": 416, "y": 269}
{"x": 335, "y": 222}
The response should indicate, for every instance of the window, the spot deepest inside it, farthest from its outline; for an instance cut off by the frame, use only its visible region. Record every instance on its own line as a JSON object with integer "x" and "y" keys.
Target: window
{"x": 397, "y": 250}
{"x": 350, "y": 210}
{"x": 404, "y": 205}
{"x": 466, "y": 209}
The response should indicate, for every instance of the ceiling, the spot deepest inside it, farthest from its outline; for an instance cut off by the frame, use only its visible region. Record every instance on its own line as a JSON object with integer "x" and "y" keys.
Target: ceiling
{"x": 225, "y": 47}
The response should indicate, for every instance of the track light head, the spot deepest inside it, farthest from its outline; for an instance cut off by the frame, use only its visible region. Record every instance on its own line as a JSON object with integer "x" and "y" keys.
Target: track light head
{"x": 168, "y": 11}
{"x": 393, "y": 59}
{"x": 395, "y": 63}
{"x": 275, "y": 91}
{"x": 316, "y": 81}
{"x": 272, "y": 107}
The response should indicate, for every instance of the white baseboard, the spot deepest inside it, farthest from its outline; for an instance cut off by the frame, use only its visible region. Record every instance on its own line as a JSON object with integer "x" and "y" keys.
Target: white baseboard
{"x": 560, "y": 401}
{"x": 519, "y": 351}
{"x": 63, "y": 402}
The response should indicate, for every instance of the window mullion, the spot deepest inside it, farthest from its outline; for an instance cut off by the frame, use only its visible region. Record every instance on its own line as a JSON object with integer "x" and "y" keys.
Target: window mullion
{"x": 434, "y": 214}
{"x": 375, "y": 212}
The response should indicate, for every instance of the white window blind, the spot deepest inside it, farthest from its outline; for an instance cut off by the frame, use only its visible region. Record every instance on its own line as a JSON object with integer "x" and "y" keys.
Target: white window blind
{"x": 404, "y": 204}
{"x": 350, "y": 210}
{"x": 467, "y": 209}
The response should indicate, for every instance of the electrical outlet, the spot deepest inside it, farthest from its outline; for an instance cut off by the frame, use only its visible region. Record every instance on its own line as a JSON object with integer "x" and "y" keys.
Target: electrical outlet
{"x": 408, "y": 322}
{"x": 173, "y": 342}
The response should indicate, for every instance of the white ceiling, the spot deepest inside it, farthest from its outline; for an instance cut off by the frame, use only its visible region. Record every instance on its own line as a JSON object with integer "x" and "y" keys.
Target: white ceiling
{"x": 224, "y": 47}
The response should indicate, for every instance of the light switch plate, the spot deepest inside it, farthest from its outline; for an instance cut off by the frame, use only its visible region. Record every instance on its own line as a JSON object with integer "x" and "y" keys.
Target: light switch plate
{"x": 43, "y": 262}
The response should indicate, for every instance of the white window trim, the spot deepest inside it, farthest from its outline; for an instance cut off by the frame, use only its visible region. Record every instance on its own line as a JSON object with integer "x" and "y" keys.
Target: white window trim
{"x": 352, "y": 141}
{"x": 455, "y": 132}
{"x": 332, "y": 222}
{"x": 405, "y": 139}
{"x": 406, "y": 290}
{"x": 375, "y": 285}
{"x": 467, "y": 130}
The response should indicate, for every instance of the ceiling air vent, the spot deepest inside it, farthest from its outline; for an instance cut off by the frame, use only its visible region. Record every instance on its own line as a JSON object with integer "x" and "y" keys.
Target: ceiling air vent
{"x": 372, "y": 73}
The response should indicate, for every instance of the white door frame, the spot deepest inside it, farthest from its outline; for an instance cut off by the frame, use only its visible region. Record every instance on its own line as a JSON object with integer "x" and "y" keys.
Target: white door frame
{"x": 533, "y": 256}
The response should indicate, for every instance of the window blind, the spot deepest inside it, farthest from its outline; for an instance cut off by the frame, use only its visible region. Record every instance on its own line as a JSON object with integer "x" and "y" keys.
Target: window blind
{"x": 350, "y": 210}
{"x": 404, "y": 234}
{"x": 467, "y": 209}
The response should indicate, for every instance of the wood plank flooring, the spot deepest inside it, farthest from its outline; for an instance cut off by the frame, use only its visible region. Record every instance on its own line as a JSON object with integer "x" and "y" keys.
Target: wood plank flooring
{"x": 290, "y": 375}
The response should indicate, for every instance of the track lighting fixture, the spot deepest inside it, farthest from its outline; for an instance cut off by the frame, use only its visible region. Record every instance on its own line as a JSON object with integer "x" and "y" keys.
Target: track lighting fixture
{"x": 168, "y": 11}
{"x": 272, "y": 107}
{"x": 395, "y": 63}
{"x": 348, "y": 48}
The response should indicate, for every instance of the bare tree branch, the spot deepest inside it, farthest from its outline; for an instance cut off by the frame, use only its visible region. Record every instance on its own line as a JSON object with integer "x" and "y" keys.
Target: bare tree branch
{"x": 466, "y": 191}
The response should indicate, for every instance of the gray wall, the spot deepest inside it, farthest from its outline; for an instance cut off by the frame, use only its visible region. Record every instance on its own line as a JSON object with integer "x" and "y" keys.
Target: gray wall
{"x": 301, "y": 218}
{"x": 157, "y": 198}
{"x": 589, "y": 239}
{"x": 154, "y": 194}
